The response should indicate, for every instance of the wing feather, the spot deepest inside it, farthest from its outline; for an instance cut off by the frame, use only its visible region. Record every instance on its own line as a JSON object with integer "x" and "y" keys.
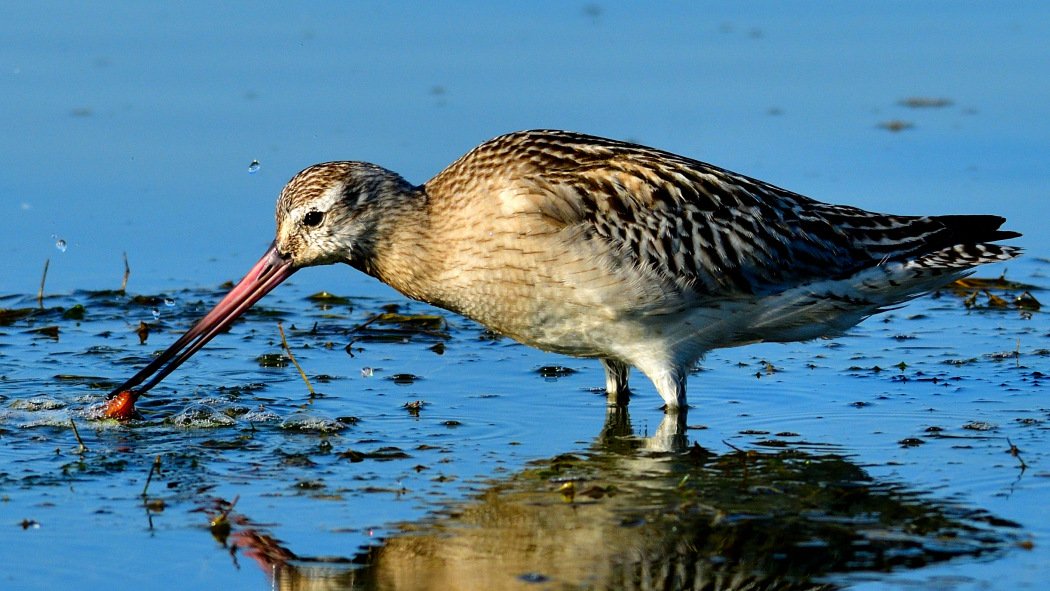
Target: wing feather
{"x": 701, "y": 230}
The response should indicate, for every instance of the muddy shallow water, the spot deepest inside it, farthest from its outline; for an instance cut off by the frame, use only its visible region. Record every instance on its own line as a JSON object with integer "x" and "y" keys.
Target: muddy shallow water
{"x": 434, "y": 454}
{"x": 434, "y": 451}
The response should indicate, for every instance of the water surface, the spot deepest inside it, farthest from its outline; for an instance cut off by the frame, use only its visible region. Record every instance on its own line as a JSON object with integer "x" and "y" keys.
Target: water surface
{"x": 133, "y": 128}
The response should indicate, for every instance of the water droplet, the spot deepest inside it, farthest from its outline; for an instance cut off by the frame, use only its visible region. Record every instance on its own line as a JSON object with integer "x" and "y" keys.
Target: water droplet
{"x": 169, "y": 303}
{"x": 61, "y": 245}
{"x": 253, "y": 167}
{"x": 366, "y": 372}
{"x": 156, "y": 314}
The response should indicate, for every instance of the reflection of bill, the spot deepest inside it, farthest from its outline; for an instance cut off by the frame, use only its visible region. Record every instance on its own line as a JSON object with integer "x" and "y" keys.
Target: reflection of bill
{"x": 622, "y": 516}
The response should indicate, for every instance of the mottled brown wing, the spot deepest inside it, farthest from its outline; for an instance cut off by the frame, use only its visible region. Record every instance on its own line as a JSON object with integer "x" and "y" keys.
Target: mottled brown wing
{"x": 712, "y": 231}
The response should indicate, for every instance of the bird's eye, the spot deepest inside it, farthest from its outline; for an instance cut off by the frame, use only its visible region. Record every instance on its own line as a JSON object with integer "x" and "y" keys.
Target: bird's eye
{"x": 313, "y": 218}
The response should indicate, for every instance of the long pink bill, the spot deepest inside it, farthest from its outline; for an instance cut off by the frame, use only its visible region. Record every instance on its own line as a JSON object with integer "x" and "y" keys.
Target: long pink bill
{"x": 267, "y": 274}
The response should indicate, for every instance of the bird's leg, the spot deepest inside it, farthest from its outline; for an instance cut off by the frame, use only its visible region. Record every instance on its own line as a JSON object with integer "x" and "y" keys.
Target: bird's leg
{"x": 616, "y": 374}
{"x": 670, "y": 383}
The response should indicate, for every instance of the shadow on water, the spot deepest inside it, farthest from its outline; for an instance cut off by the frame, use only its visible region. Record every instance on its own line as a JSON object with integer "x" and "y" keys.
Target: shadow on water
{"x": 623, "y": 515}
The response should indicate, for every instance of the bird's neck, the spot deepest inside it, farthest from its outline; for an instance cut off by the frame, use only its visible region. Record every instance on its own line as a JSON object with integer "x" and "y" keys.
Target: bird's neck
{"x": 400, "y": 249}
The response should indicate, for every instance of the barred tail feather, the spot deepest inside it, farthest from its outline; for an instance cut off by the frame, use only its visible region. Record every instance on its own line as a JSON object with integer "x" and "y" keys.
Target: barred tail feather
{"x": 831, "y": 307}
{"x": 964, "y": 256}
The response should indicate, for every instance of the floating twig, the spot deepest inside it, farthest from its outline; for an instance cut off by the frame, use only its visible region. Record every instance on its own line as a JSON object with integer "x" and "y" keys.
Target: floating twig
{"x": 1016, "y": 453}
{"x": 222, "y": 518}
{"x": 292, "y": 357}
{"x": 40, "y": 294}
{"x": 127, "y": 272}
{"x": 972, "y": 300}
{"x": 154, "y": 468}
{"x": 349, "y": 346}
{"x": 744, "y": 455}
{"x": 367, "y": 322}
{"x": 1027, "y": 301}
{"x": 733, "y": 447}
{"x": 83, "y": 448}
{"x": 995, "y": 301}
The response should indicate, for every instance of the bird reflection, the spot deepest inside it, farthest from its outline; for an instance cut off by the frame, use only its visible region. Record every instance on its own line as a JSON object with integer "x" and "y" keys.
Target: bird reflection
{"x": 654, "y": 513}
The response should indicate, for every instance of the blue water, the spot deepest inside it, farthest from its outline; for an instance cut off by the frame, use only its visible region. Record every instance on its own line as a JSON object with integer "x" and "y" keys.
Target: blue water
{"x": 130, "y": 128}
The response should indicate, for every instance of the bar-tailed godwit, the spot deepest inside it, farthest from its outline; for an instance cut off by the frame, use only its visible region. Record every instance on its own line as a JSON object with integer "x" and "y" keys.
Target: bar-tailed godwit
{"x": 598, "y": 248}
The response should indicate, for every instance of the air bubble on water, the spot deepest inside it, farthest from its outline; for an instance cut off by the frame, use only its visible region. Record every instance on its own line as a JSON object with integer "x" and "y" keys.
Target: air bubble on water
{"x": 156, "y": 314}
{"x": 253, "y": 167}
{"x": 169, "y": 303}
{"x": 61, "y": 245}
{"x": 366, "y": 372}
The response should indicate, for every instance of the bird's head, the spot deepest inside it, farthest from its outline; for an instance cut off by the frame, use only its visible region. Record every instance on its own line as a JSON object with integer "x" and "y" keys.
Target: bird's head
{"x": 328, "y": 213}
{"x": 331, "y": 213}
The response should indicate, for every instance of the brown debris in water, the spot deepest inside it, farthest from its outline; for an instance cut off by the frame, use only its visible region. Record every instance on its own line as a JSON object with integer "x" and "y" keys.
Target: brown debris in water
{"x": 896, "y": 125}
{"x": 50, "y": 332}
{"x": 143, "y": 332}
{"x": 414, "y": 407}
{"x": 1027, "y": 301}
{"x": 971, "y": 287}
{"x": 10, "y": 316}
{"x": 920, "y": 102}
{"x": 1001, "y": 282}
{"x": 400, "y": 328}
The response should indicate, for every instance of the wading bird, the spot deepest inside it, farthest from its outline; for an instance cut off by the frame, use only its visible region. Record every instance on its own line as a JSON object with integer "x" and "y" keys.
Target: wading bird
{"x": 598, "y": 248}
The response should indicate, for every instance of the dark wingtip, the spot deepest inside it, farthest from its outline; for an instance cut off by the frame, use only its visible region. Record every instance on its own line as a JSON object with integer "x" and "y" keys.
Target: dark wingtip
{"x": 1006, "y": 235}
{"x": 976, "y": 228}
